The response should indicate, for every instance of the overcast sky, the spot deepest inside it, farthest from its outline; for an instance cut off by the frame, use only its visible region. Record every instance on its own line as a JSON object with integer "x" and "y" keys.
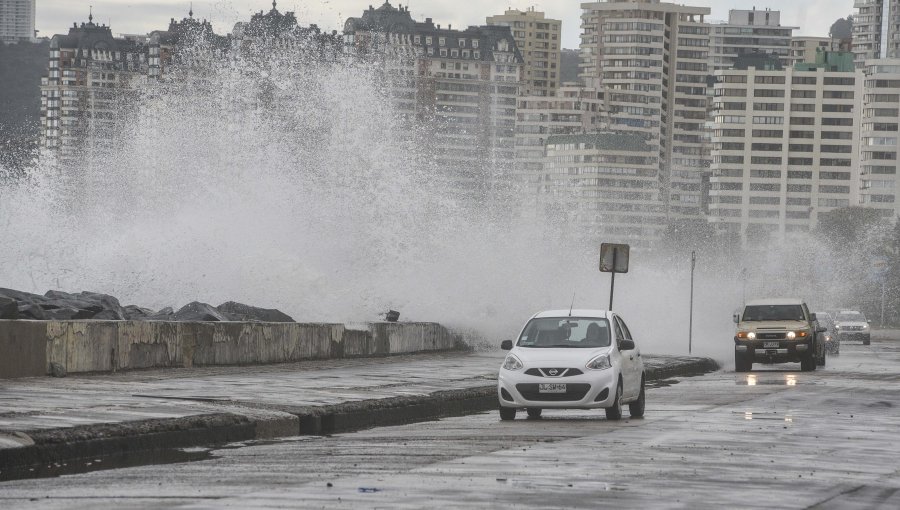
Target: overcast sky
{"x": 814, "y": 17}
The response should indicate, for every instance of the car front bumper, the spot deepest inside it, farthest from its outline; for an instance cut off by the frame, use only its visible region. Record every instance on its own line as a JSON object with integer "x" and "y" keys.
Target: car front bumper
{"x": 591, "y": 390}
{"x": 864, "y": 336}
{"x": 766, "y": 351}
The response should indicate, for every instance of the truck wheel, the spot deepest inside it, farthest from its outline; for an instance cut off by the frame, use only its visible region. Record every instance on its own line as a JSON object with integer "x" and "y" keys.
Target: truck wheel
{"x": 867, "y": 341}
{"x": 808, "y": 363}
{"x": 507, "y": 413}
{"x": 742, "y": 363}
{"x": 821, "y": 361}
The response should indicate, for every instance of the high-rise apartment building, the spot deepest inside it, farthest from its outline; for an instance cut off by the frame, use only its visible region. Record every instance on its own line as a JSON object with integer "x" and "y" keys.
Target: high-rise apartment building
{"x": 876, "y": 30}
{"x": 785, "y": 146}
{"x": 805, "y": 49}
{"x": 458, "y": 86}
{"x": 879, "y": 136}
{"x": 17, "y": 18}
{"x": 575, "y": 110}
{"x": 605, "y": 185}
{"x": 750, "y": 31}
{"x": 650, "y": 59}
{"x": 91, "y": 76}
{"x": 539, "y": 42}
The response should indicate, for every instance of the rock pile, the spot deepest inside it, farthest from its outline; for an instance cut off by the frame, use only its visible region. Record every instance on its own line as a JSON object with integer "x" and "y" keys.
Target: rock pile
{"x": 57, "y": 305}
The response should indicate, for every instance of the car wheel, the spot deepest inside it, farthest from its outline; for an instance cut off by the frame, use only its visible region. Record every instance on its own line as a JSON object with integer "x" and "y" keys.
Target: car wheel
{"x": 534, "y": 412}
{"x": 867, "y": 342}
{"x": 636, "y": 408}
{"x": 742, "y": 363}
{"x": 507, "y": 413}
{"x": 615, "y": 411}
{"x": 808, "y": 363}
{"x": 821, "y": 361}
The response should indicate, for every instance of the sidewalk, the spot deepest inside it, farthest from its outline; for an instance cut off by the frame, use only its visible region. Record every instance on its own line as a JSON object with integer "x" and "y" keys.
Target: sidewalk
{"x": 45, "y": 420}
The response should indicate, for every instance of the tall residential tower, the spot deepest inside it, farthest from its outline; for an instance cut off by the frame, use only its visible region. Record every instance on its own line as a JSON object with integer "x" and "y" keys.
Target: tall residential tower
{"x": 650, "y": 60}
{"x": 538, "y": 39}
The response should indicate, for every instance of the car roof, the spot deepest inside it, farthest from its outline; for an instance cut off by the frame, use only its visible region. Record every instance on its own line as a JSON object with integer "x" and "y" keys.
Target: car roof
{"x": 577, "y": 312}
{"x": 850, "y": 311}
{"x": 775, "y": 301}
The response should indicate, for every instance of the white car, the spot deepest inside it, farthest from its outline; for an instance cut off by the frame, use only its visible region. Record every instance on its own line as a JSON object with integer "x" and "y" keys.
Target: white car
{"x": 572, "y": 359}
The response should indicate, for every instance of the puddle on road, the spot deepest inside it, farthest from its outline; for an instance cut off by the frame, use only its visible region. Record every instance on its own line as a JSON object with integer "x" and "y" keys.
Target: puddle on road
{"x": 662, "y": 383}
{"x": 132, "y": 459}
{"x": 766, "y": 379}
{"x": 771, "y": 416}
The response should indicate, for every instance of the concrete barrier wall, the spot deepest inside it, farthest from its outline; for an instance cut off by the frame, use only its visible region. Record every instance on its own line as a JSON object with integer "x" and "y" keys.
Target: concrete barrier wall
{"x": 27, "y": 348}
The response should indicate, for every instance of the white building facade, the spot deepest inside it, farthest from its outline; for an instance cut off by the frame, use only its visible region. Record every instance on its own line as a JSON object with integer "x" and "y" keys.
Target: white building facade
{"x": 17, "y": 21}
{"x": 785, "y": 149}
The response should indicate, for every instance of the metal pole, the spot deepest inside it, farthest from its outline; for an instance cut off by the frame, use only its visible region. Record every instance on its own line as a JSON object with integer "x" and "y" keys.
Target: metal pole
{"x": 691, "y": 316}
{"x": 882, "y": 302}
{"x": 612, "y": 284}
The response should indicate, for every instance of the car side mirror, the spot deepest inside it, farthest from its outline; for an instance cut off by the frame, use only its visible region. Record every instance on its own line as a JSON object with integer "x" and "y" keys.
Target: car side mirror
{"x": 506, "y": 345}
{"x": 812, "y": 317}
{"x": 626, "y": 345}
{"x": 870, "y": 322}
{"x": 820, "y": 329}
{"x": 737, "y": 318}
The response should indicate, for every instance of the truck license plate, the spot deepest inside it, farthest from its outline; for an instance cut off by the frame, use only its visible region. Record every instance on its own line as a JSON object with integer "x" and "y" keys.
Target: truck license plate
{"x": 552, "y": 388}
{"x": 773, "y": 345}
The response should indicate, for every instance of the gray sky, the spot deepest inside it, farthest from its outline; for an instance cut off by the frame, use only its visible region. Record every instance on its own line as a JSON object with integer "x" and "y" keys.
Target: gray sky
{"x": 814, "y": 17}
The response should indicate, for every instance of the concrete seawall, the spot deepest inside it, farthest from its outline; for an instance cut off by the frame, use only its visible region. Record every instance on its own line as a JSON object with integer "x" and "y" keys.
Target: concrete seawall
{"x": 28, "y": 348}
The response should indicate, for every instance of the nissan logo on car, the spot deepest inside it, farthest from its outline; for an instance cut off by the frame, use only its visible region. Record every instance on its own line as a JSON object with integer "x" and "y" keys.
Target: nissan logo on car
{"x": 553, "y": 371}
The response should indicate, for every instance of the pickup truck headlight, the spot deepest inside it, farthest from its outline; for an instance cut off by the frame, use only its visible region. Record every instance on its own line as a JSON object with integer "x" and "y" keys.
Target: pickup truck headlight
{"x": 865, "y": 327}
{"x": 746, "y": 335}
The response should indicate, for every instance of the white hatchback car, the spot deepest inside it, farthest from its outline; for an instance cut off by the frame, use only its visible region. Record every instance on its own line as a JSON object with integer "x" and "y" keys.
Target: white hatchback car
{"x": 572, "y": 359}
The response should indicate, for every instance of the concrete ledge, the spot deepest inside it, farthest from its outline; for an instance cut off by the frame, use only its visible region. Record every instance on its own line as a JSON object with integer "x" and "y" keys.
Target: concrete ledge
{"x": 30, "y": 347}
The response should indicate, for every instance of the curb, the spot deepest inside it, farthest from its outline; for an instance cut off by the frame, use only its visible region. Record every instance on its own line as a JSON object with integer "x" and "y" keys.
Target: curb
{"x": 91, "y": 442}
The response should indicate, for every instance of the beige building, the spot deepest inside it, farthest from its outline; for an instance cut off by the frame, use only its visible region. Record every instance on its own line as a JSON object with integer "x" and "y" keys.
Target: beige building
{"x": 539, "y": 40}
{"x": 804, "y": 48}
{"x": 879, "y": 136}
{"x": 604, "y": 186}
{"x": 650, "y": 59}
{"x": 750, "y": 31}
{"x": 17, "y": 19}
{"x": 876, "y": 30}
{"x": 785, "y": 147}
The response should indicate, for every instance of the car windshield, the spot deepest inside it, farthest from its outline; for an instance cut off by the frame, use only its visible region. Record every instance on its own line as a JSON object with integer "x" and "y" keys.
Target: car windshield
{"x": 773, "y": 313}
{"x": 851, "y": 317}
{"x": 565, "y": 332}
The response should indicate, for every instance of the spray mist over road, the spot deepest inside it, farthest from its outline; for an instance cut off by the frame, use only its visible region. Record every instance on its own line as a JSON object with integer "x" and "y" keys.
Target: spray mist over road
{"x": 296, "y": 189}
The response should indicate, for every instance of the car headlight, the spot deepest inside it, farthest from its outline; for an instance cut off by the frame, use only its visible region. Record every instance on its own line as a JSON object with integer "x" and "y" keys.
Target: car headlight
{"x": 599, "y": 363}
{"x": 512, "y": 363}
{"x": 865, "y": 326}
{"x": 749, "y": 335}
{"x": 791, "y": 335}
{"x": 837, "y": 326}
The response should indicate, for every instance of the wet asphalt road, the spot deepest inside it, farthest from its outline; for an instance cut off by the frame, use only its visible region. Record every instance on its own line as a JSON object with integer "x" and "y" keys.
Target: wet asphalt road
{"x": 775, "y": 438}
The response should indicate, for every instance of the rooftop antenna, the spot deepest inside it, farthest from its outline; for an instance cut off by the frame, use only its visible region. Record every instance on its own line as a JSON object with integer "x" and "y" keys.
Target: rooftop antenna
{"x": 90, "y": 14}
{"x": 191, "y": 11}
{"x": 573, "y": 304}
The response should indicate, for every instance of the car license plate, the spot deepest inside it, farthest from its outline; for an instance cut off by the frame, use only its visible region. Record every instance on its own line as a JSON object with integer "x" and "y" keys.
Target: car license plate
{"x": 768, "y": 345}
{"x": 552, "y": 388}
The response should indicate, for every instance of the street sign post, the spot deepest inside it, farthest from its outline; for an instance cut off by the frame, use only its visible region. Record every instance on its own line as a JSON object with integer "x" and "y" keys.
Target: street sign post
{"x": 614, "y": 259}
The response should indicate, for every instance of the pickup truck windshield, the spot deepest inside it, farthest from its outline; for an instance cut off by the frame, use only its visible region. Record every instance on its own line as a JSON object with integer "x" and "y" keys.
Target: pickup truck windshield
{"x": 773, "y": 313}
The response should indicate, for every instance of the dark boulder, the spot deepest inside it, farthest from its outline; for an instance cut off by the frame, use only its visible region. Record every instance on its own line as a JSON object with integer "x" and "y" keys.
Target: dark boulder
{"x": 9, "y": 308}
{"x": 166, "y": 314}
{"x": 199, "y": 312}
{"x": 136, "y": 313}
{"x": 61, "y": 314}
{"x": 110, "y": 315}
{"x": 32, "y": 311}
{"x": 21, "y": 297}
{"x": 242, "y": 312}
